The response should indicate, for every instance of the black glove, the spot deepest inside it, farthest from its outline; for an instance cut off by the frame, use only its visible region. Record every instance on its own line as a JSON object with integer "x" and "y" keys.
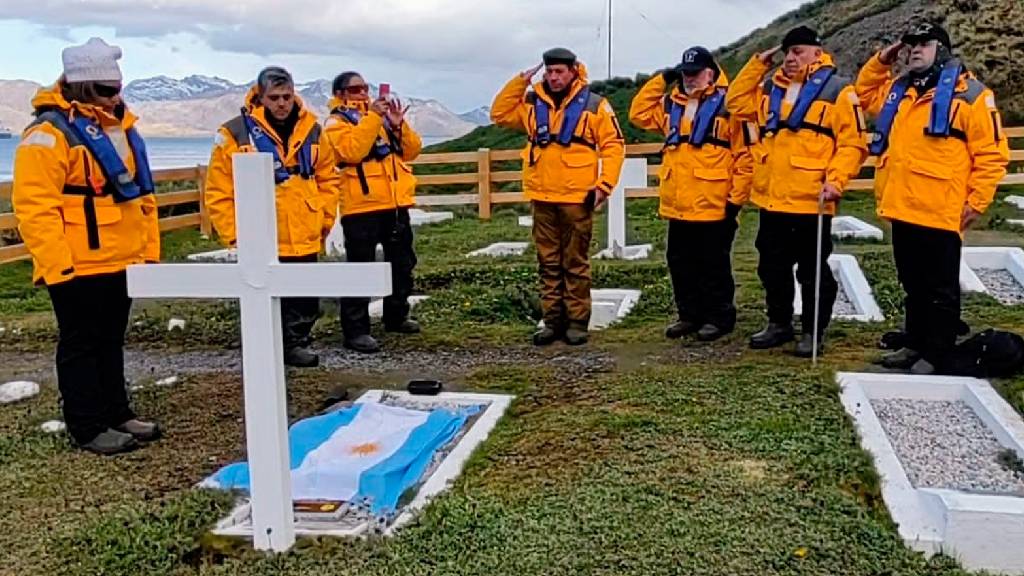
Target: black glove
{"x": 732, "y": 210}
{"x": 671, "y": 74}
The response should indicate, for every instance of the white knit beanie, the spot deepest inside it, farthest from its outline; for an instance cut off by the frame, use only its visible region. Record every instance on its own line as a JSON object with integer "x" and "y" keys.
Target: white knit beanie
{"x": 94, "y": 61}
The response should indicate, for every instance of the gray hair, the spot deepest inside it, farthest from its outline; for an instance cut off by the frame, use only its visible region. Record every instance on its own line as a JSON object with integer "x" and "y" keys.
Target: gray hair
{"x": 272, "y": 77}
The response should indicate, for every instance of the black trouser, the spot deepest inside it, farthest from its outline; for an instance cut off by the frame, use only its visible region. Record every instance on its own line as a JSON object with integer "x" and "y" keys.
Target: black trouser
{"x": 700, "y": 263}
{"x": 928, "y": 266}
{"x": 298, "y": 315}
{"x": 392, "y": 230}
{"x": 785, "y": 240}
{"x": 92, "y": 316}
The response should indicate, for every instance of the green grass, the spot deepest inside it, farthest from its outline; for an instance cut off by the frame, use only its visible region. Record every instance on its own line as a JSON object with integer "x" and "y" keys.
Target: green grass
{"x": 687, "y": 458}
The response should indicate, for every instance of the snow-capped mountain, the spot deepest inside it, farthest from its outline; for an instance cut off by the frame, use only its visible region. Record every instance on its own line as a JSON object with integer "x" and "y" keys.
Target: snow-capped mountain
{"x": 481, "y": 116}
{"x": 197, "y": 105}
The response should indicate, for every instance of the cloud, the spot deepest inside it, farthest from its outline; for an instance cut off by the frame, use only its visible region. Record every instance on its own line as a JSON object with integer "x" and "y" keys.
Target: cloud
{"x": 445, "y": 32}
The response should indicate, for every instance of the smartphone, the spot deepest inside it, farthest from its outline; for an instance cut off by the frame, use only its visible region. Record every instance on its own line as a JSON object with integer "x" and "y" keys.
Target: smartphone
{"x": 385, "y": 91}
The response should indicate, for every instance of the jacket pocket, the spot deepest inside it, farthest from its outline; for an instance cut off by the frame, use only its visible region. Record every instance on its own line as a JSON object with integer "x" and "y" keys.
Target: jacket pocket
{"x": 579, "y": 165}
{"x": 405, "y": 186}
{"x": 761, "y": 172}
{"x": 112, "y": 238}
{"x": 712, "y": 188}
{"x": 806, "y": 176}
{"x": 930, "y": 187}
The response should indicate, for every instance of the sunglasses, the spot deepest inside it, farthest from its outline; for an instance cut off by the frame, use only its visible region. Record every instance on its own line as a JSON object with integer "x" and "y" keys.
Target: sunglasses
{"x": 357, "y": 89}
{"x": 106, "y": 91}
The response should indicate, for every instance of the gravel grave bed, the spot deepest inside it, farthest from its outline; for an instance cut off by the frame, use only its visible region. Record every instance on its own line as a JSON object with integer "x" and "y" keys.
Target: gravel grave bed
{"x": 843, "y": 306}
{"x": 944, "y": 444}
{"x": 1002, "y": 285}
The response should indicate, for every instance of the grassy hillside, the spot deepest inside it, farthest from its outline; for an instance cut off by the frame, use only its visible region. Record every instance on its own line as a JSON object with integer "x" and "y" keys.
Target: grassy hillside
{"x": 986, "y": 34}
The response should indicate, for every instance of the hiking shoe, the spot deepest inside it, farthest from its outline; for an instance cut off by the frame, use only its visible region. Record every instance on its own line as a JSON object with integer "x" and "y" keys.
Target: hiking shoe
{"x": 710, "y": 333}
{"x": 406, "y": 326}
{"x": 681, "y": 328}
{"x": 300, "y": 357}
{"x": 773, "y": 336}
{"x": 140, "y": 430}
{"x": 923, "y": 368}
{"x": 576, "y": 336}
{"x": 544, "y": 337}
{"x": 364, "y": 343}
{"x": 902, "y": 359}
{"x": 805, "y": 347}
{"x": 110, "y": 442}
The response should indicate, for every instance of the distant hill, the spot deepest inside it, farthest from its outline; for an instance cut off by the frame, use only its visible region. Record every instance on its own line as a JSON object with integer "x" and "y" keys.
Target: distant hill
{"x": 988, "y": 34}
{"x": 481, "y": 116}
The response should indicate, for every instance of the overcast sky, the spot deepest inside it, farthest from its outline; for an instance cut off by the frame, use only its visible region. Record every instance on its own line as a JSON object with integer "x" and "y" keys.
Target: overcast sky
{"x": 459, "y": 52}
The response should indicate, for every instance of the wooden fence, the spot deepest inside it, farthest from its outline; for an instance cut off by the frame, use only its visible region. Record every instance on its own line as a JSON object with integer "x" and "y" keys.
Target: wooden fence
{"x": 483, "y": 180}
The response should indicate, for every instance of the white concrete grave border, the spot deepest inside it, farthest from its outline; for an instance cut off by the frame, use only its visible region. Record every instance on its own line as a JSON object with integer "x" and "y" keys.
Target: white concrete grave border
{"x": 634, "y": 175}
{"x": 999, "y": 257}
{"x": 609, "y": 306}
{"x": 238, "y": 522}
{"x": 418, "y": 217}
{"x": 852, "y": 281}
{"x": 984, "y": 532}
{"x": 377, "y": 306}
{"x": 853, "y": 227}
{"x": 259, "y": 282}
{"x": 1017, "y": 201}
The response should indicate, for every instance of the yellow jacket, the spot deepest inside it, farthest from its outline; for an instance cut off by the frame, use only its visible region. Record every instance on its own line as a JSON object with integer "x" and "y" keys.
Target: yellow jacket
{"x": 371, "y": 184}
{"x": 563, "y": 174}
{"x": 697, "y": 182}
{"x": 790, "y": 167}
{"x": 306, "y": 209}
{"x": 925, "y": 180}
{"x": 53, "y": 223}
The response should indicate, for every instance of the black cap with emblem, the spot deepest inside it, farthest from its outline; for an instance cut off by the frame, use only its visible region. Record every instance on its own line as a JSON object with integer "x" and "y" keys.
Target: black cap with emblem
{"x": 927, "y": 31}
{"x": 695, "y": 60}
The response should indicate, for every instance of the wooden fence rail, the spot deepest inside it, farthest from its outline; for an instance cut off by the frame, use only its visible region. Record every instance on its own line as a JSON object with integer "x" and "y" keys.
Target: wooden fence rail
{"x": 484, "y": 180}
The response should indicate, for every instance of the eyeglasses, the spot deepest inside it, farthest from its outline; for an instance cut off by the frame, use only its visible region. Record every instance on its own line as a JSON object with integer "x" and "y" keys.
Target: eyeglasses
{"x": 107, "y": 91}
{"x": 357, "y": 89}
{"x": 276, "y": 97}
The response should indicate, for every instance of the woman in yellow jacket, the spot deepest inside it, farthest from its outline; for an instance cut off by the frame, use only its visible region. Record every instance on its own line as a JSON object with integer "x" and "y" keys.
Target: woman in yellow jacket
{"x": 275, "y": 120}
{"x": 83, "y": 197}
{"x": 570, "y": 167}
{"x": 942, "y": 152}
{"x": 812, "y": 145}
{"x": 372, "y": 143}
{"x": 704, "y": 182}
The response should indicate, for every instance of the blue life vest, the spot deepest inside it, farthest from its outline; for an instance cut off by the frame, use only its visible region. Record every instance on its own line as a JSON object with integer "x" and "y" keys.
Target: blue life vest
{"x": 702, "y": 125}
{"x": 809, "y": 93}
{"x": 573, "y": 113}
{"x": 942, "y": 104}
{"x": 264, "y": 143}
{"x": 120, "y": 183}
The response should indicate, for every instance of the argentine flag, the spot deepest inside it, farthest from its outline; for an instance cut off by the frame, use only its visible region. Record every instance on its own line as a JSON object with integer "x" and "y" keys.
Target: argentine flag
{"x": 367, "y": 452}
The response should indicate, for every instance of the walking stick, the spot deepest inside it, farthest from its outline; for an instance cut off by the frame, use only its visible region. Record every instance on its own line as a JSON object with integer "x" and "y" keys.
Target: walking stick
{"x": 817, "y": 282}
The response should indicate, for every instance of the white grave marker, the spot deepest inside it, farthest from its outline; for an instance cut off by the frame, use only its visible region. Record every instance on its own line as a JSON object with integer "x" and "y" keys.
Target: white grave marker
{"x": 259, "y": 282}
{"x": 634, "y": 175}
{"x": 501, "y": 249}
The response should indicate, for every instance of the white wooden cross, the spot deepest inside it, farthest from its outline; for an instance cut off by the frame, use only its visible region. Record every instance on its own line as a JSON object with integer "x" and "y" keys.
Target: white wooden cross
{"x": 259, "y": 282}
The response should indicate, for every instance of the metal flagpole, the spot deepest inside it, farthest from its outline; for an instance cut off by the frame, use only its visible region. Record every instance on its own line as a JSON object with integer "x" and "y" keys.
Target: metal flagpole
{"x": 609, "y": 39}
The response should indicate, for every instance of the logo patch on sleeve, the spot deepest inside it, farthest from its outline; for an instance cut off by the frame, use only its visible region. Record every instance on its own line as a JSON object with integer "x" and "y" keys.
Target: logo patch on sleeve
{"x": 39, "y": 138}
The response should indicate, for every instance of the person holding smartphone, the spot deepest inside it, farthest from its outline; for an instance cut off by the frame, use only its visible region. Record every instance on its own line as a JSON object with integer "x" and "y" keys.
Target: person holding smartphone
{"x": 942, "y": 153}
{"x": 373, "y": 144}
{"x": 704, "y": 182}
{"x": 570, "y": 167}
{"x": 83, "y": 197}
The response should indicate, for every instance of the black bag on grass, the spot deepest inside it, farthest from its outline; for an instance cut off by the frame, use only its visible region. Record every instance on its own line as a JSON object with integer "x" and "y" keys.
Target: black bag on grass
{"x": 988, "y": 354}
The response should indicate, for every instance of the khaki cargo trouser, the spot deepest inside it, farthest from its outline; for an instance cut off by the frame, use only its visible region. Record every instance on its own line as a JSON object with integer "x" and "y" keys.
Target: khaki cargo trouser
{"x": 561, "y": 233}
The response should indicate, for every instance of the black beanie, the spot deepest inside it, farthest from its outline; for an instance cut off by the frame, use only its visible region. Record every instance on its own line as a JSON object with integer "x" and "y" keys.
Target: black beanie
{"x": 800, "y": 36}
{"x": 559, "y": 56}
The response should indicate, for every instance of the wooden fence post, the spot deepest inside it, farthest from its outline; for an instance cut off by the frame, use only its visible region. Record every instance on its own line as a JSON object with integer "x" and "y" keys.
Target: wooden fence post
{"x": 204, "y": 217}
{"x": 483, "y": 186}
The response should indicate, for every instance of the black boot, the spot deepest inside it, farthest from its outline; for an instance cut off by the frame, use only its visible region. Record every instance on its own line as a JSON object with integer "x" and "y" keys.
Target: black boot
{"x": 681, "y": 328}
{"x": 364, "y": 343}
{"x": 110, "y": 442}
{"x": 545, "y": 337}
{"x": 406, "y": 326}
{"x": 300, "y": 357}
{"x": 902, "y": 359}
{"x": 773, "y": 336}
{"x": 576, "y": 336}
{"x": 805, "y": 347}
{"x": 710, "y": 333}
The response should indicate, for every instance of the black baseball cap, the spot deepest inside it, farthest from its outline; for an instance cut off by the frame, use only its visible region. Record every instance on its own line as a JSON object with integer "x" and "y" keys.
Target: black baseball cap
{"x": 926, "y": 31}
{"x": 696, "y": 59}
{"x": 800, "y": 36}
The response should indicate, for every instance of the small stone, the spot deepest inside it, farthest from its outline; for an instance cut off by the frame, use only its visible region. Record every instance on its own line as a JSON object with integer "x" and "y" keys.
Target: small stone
{"x": 53, "y": 427}
{"x": 175, "y": 324}
{"x": 171, "y": 381}
{"x": 18, "y": 390}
